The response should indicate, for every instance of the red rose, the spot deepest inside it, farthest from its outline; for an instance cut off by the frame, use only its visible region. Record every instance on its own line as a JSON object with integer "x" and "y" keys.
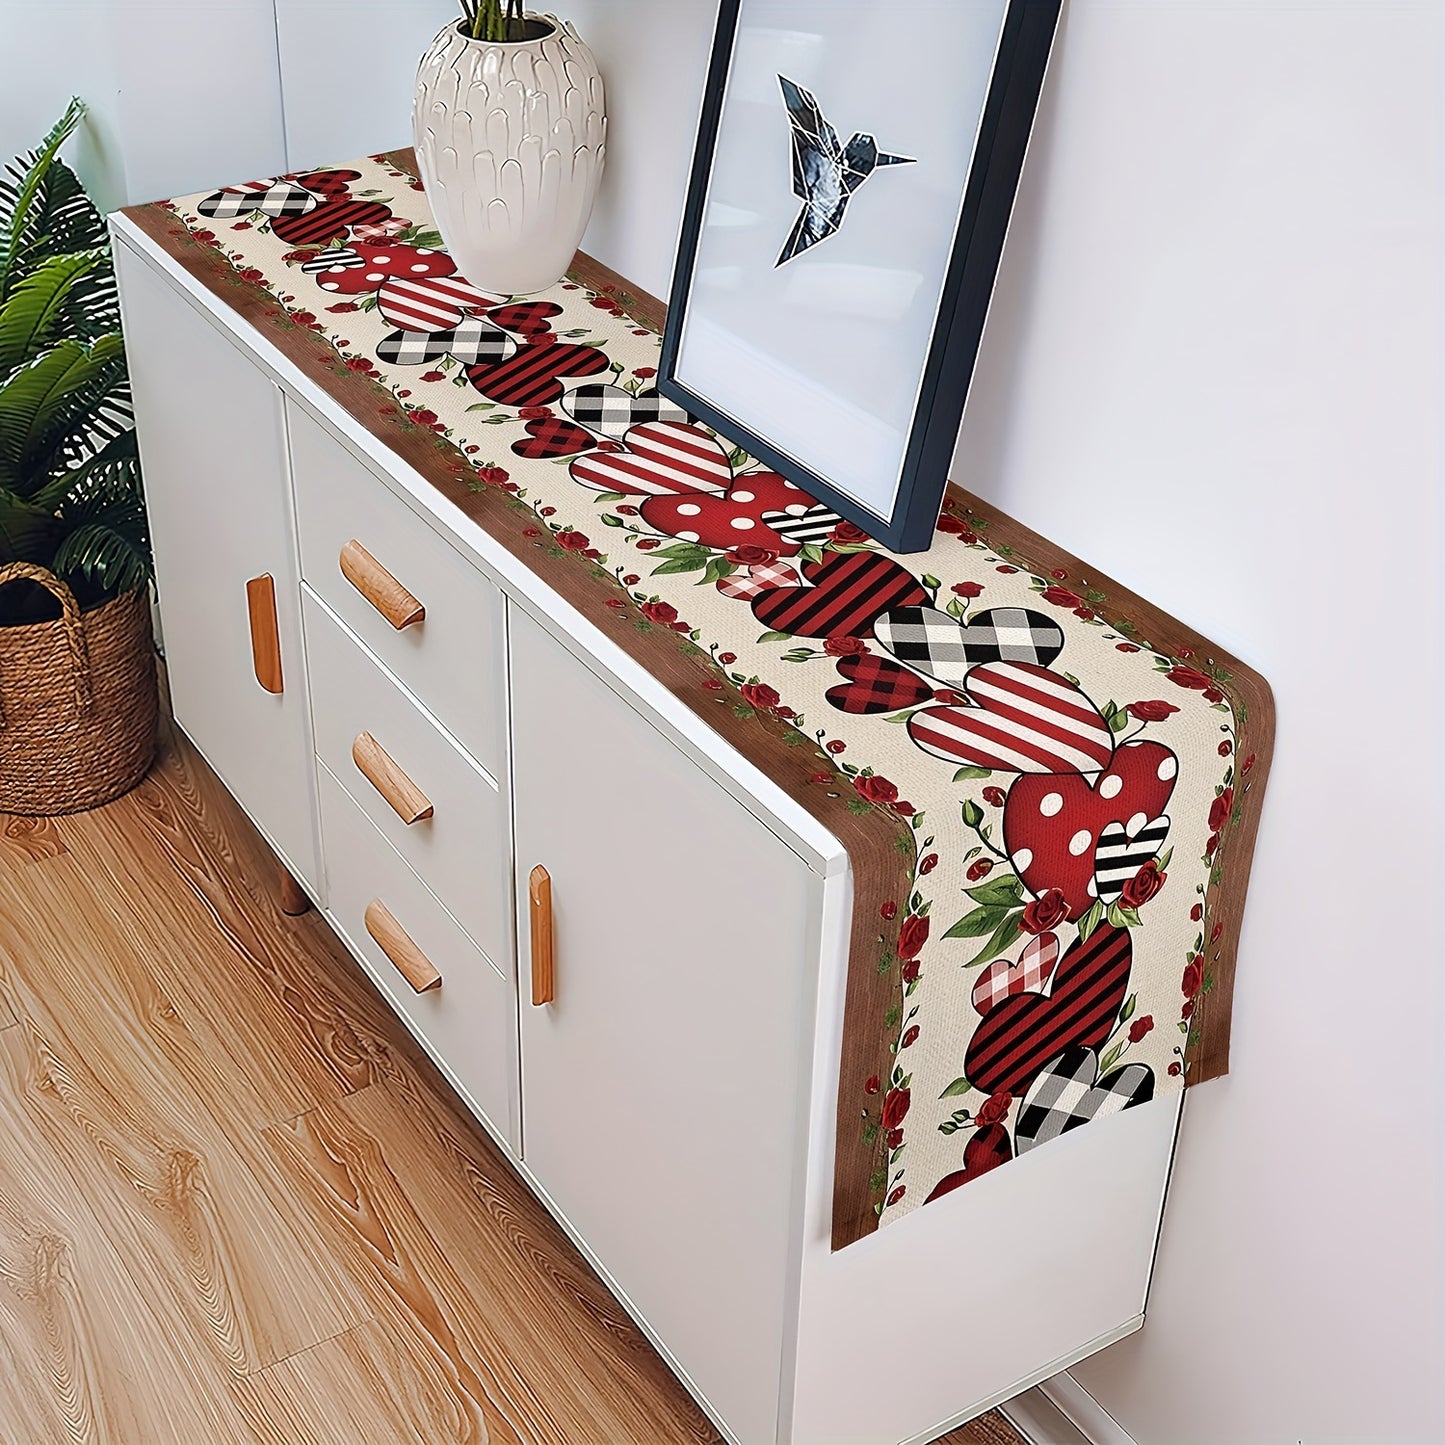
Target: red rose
{"x": 875, "y": 789}
{"x": 423, "y": 417}
{"x": 837, "y": 745}
{"x": 847, "y": 532}
{"x": 1188, "y": 1010}
{"x": 913, "y": 935}
{"x": 531, "y": 532}
{"x": 359, "y": 363}
{"x": 1212, "y": 845}
{"x": 211, "y": 236}
{"x": 995, "y": 796}
{"x": 910, "y": 970}
{"x": 1045, "y": 912}
{"x": 663, "y": 612}
{"x": 979, "y": 868}
{"x": 1140, "y": 1027}
{"x": 993, "y": 1110}
{"x": 759, "y": 694}
{"x": 1126, "y": 647}
{"x": 433, "y": 376}
{"x": 820, "y": 777}
{"x": 1143, "y": 885}
{"x": 1006, "y": 569}
{"x": 1062, "y": 597}
{"x": 949, "y": 696}
{"x": 602, "y": 303}
{"x": 898, "y": 1194}
{"x": 1059, "y": 575}
{"x": 1193, "y": 977}
{"x": 1175, "y": 1070}
{"x": 888, "y": 909}
{"x": 250, "y": 273}
{"x": 303, "y": 318}
{"x": 727, "y": 658}
{"x": 644, "y": 371}
{"x": 576, "y": 542}
{"x": 342, "y": 306}
{"x": 951, "y": 525}
{"x": 492, "y": 476}
{"x": 968, "y": 589}
{"x": 1217, "y": 932}
{"x": 535, "y": 413}
{"x": 1149, "y": 712}
{"x": 1190, "y": 677}
{"x": 631, "y": 580}
{"x": 648, "y": 543}
{"x": 928, "y": 864}
{"x": 910, "y": 1037}
{"x": 712, "y": 684}
{"x": 614, "y": 602}
{"x": 1197, "y": 912}
{"x": 1247, "y": 764}
{"x": 547, "y": 511}
{"x": 624, "y": 510}
{"x": 592, "y": 554}
{"x": 1186, "y": 653}
{"x": 1212, "y": 694}
{"x": 749, "y": 555}
{"x": 893, "y": 1138}
{"x": 895, "y": 1108}
{"x": 1219, "y": 810}
{"x": 906, "y": 809}
{"x": 873, "y": 1085}
{"x": 845, "y": 646}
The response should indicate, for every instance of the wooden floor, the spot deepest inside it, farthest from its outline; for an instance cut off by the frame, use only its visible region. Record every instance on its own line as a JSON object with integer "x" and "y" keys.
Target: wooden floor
{"x": 236, "y": 1203}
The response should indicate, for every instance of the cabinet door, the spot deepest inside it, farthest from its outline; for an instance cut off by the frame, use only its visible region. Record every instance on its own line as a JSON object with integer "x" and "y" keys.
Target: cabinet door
{"x": 218, "y": 494}
{"x": 663, "y": 1088}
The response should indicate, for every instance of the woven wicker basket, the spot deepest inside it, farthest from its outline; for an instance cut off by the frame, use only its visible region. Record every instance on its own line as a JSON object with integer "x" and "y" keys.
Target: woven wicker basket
{"x": 78, "y": 701}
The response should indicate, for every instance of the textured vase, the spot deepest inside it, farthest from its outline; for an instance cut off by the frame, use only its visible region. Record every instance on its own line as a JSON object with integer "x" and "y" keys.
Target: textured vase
{"x": 510, "y": 139}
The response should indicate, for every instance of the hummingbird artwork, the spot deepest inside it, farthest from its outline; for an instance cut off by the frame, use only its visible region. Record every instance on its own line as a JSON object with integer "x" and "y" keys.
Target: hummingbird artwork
{"x": 826, "y": 174}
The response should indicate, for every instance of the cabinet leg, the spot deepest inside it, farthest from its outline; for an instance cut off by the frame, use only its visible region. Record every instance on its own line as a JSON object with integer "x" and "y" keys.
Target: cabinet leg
{"x": 293, "y": 896}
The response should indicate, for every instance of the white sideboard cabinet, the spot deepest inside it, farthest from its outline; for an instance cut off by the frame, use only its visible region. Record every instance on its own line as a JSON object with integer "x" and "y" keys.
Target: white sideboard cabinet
{"x": 623, "y": 943}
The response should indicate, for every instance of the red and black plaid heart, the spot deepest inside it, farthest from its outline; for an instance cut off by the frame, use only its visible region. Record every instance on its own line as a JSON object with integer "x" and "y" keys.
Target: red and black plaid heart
{"x": 550, "y": 437}
{"x": 877, "y": 684}
{"x": 987, "y": 1148}
{"x": 526, "y": 318}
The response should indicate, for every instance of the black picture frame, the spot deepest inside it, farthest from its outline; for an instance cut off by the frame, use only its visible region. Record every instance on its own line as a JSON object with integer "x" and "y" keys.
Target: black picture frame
{"x": 1025, "y": 41}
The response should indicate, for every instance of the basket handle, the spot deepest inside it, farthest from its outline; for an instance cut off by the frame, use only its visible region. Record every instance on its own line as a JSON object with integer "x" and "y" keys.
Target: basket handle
{"x": 69, "y": 621}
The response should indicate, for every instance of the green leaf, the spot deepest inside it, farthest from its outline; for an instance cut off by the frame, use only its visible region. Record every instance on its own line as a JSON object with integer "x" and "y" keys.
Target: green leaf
{"x": 1127, "y": 1012}
{"x": 1091, "y": 920}
{"x": 930, "y": 582}
{"x": 810, "y": 553}
{"x": 36, "y": 305}
{"x": 1119, "y": 721}
{"x": 978, "y": 922}
{"x": 1003, "y": 938}
{"x": 965, "y": 775}
{"x": 972, "y": 813}
{"x": 957, "y": 1087}
{"x": 717, "y": 567}
{"x": 776, "y": 637}
{"x": 1005, "y": 892}
{"x": 608, "y": 520}
{"x": 1110, "y": 1058}
{"x": 680, "y": 564}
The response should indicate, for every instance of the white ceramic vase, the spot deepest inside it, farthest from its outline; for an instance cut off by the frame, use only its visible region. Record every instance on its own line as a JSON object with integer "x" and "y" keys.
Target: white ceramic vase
{"x": 510, "y": 139}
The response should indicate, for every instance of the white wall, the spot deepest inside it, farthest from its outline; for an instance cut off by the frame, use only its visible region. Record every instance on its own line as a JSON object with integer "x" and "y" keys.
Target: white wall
{"x": 1214, "y": 367}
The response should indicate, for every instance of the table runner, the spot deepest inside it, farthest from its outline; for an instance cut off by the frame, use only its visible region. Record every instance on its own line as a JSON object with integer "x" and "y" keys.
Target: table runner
{"x": 1048, "y": 789}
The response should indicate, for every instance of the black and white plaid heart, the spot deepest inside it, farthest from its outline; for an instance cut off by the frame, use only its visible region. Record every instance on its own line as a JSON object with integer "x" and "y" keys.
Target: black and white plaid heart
{"x": 271, "y": 198}
{"x": 1069, "y": 1094}
{"x": 336, "y": 259}
{"x": 807, "y": 526}
{"x": 931, "y": 641}
{"x": 613, "y": 411}
{"x": 1123, "y": 849}
{"x": 472, "y": 342}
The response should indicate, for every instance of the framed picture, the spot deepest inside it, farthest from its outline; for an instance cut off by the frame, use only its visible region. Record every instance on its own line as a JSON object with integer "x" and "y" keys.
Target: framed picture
{"x": 855, "y": 170}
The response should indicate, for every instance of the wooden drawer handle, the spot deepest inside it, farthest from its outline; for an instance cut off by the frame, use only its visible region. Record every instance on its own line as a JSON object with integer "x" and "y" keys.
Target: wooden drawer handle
{"x": 539, "y": 893}
{"x": 394, "y": 941}
{"x": 265, "y": 634}
{"x": 379, "y": 587}
{"x": 379, "y": 769}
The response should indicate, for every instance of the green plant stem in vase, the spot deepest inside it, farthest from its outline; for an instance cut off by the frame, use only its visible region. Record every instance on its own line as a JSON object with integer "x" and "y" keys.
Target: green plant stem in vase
{"x": 494, "y": 20}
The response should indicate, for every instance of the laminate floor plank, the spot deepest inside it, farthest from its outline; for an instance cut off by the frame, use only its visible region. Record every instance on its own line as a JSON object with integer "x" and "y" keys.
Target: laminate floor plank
{"x": 116, "y": 1084}
{"x": 238, "y": 1204}
{"x": 284, "y": 1038}
{"x": 28, "y": 840}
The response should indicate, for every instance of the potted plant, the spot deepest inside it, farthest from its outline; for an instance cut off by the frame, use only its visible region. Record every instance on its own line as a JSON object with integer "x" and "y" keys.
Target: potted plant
{"x": 78, "y": 696}
{"x": 510, "y": 127}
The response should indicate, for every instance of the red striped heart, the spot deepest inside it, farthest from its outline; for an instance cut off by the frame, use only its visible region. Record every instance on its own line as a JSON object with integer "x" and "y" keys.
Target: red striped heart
{"x": 850, "y": 591}
{"x": 1026, "y": 719}
{"x": 429, "y": 303}
{"x": 328, "y": 221}
{"x": 1051, "y": 825}
{"x": 1002, "y": 979}
{"x": 1017, "y": 1039}
{"x": 663, "y": 458}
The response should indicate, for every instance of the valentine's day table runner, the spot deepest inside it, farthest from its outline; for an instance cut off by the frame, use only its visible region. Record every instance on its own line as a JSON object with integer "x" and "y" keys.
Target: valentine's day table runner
{"x": 1048, "y": 789}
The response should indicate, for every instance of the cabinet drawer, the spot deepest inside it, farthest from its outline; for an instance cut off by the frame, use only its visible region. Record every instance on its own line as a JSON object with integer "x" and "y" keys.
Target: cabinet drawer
{"x": 468, "y": 1021}
{"x": 452, "y": 658}
{"x": 379, "y": 745}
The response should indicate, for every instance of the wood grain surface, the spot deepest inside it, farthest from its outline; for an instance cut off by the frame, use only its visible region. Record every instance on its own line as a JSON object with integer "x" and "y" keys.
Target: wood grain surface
{"x": 237, "y": 1205}
{"x": 879, "y": 845}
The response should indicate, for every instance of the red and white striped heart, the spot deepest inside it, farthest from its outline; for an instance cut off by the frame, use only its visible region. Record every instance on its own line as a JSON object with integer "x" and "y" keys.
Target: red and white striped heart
{"x": 1034, "y": 968}
{"x": 430, "y": 303}
{"x": 1025, "y": 719}
{"x": 663, "y": 458}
